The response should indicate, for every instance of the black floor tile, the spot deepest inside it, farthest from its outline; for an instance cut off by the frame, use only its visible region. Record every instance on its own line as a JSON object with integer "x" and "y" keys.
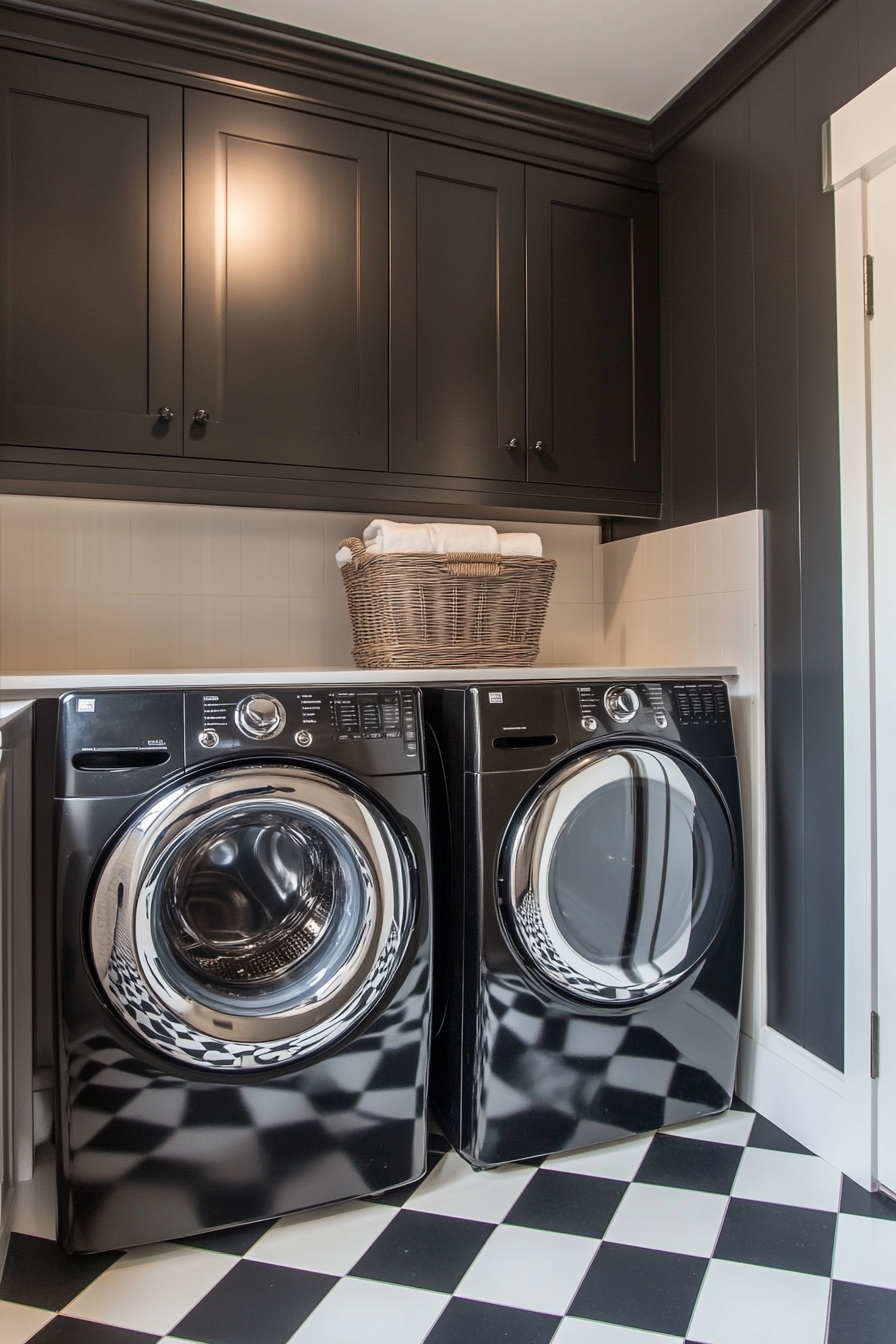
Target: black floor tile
{"x": 72, "y": 1330}
{"x": 778, "y": 1236}
{"x": 766, "y": 1135}
{"x": 39, "y": 1274}
{"x": 866, "y": 1203}
{"x": 464, "y": 1322}
{"x": 230, "y": 1240}
{"x": 255, "y": 1304}
{"x": 690, "y": 1164}
{"x": 424, "y": 1250}
{"x": 558, "y": 1201}
{"x": 646, "y": 1290}
{"x": 861, "y": 1315}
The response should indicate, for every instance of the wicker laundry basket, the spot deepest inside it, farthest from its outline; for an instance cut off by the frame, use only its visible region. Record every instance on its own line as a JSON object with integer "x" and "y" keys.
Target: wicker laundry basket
{"x": 446, "y": 610}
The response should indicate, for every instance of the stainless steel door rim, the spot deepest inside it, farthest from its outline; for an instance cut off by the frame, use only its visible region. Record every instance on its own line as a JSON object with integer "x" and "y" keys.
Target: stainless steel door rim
{"x": 617, "y": 874}
{"x": 267, "y": 1017}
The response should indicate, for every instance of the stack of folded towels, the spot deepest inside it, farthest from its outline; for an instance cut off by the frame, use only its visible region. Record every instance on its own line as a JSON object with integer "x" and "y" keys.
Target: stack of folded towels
{"x": 385, "y": 538}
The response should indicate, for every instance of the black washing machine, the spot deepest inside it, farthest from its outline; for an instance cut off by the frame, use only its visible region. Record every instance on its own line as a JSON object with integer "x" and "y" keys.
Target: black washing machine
{"x": 242, "y": 956}
{"x": 589, "y": 908}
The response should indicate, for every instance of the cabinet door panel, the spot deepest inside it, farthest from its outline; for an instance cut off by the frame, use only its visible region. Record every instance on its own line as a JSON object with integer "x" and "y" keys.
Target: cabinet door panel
{"x": 91, "y": 285}
{"x": 592, "y": 333}
{"x": 286, "y": 300}
{"x": 458, "y": 283}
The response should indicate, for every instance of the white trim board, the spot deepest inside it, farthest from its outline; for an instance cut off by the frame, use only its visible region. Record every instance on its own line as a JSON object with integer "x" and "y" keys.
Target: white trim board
{"x": 861, "y": 140}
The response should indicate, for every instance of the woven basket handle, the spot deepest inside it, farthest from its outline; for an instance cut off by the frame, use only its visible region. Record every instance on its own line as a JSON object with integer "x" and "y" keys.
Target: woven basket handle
{"x": 471, "y": 565}
{"x": 356, "y": 547}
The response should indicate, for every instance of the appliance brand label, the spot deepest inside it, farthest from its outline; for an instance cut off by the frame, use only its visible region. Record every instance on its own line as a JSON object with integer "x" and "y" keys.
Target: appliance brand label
{"x": 496, "y": 697}
{"x": 86, "y": 705}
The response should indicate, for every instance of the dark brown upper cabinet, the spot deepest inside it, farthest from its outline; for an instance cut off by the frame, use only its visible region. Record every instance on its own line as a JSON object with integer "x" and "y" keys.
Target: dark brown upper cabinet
{"x": 458, "y": 313}
{"x": 593, "y": 333}
{"x": 90, "y": 286}
{"x": 286, "y": 297}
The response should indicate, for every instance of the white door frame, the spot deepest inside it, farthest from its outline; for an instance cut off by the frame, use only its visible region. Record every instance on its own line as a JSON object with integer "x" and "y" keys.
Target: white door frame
{"x": 860, "y": 143}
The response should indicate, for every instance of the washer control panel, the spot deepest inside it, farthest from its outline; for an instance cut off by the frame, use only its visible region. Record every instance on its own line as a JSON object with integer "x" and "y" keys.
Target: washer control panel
{"x": 695, "y": 713}
{"x": 376, "y": 730}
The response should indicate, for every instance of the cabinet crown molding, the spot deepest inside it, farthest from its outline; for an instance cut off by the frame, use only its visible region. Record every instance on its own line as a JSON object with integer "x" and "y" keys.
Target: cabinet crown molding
{"x": 273, "y": 45}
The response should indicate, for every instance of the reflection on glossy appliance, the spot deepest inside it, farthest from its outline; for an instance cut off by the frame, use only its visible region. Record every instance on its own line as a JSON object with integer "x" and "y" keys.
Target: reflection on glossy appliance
{"x": 592, "y": 911}
{"x": 242, "y": 959}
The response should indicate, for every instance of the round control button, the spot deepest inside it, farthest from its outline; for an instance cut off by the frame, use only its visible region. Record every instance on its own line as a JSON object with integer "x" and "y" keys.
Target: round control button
{"x": 208, "y": 738}
{"x": 303, "y": 738}
{"x": 260, "y": 717}
{"x": 589, "y": 723}
{"x": 621, "y": 703}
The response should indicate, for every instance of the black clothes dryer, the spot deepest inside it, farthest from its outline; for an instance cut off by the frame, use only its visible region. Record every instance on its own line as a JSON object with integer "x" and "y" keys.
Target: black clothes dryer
{"x": 589, "y": 906}
{"x": 242, "y": 956}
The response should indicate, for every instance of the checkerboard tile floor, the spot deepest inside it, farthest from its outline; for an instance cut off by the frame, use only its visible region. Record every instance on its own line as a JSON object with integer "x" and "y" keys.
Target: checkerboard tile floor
{"x": 723, "y": 1231}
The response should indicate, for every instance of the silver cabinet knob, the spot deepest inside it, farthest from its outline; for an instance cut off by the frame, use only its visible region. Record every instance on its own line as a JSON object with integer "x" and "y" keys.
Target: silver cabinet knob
{"x": 621, "y": 703}
{"x": 539, "y": 446}
{"x": 201, "y": 417}
{"x": 512, "y": 445}
{"x": 260, "y": 717}
{"x": 303, "y": 738}
{"x": 165, "y": 414}
{"x": 589, "y": 723}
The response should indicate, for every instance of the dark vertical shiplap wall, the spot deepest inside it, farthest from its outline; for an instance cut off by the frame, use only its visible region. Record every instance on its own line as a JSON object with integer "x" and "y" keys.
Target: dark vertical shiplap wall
{"x": 750, "y": 420}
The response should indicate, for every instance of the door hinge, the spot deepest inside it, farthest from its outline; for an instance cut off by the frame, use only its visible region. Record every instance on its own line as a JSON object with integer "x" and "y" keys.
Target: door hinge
{"x": 875, "y": 1045}
{"x": 868, "y": 284}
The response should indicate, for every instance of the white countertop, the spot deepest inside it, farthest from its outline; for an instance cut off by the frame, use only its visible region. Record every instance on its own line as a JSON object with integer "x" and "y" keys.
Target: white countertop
{"x": 57, "y": 683}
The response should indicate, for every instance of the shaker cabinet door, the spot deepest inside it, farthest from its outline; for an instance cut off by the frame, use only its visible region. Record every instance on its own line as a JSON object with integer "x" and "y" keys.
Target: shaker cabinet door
{"x": 90, "y": 285}
{"x": 458, "y": 313}
{"x": 593, "y": 333}
{"x": 286, "y": 300}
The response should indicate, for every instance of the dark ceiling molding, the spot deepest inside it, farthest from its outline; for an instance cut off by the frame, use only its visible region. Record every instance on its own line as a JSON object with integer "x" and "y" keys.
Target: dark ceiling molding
{"x": 271, "y": 45}
{"x": 186, "y": 24}
{"x": 768, "y": 34}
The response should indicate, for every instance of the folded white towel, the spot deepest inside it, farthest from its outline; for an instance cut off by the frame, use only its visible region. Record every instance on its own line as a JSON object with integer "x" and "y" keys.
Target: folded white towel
{"x": 343, "y": 556}
{"x": 520, "y": 543}
{"x": 385, "y": 538}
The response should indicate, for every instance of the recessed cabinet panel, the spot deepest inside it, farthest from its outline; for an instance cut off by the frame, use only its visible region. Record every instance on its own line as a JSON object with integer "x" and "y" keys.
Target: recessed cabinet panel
{"x": 592, "y": 333}
{"x": 286, "y": 298}
{"x": 458, "y": 278}
{"x": 91, "y": 221}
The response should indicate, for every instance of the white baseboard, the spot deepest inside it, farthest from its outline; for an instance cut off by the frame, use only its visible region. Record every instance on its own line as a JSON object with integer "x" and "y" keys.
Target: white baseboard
{"x": 806, "y": 1098}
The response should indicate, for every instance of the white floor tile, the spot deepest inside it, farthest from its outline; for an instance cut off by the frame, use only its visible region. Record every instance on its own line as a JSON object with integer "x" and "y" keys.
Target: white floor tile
{"x": 615, "y": 1161}
{"x": 787, "y": 1178}
{"x": 865, "y": 1251}
{"x": 748, "y": 1304}
{"x": 151, "y": 1288}
{"x": 455, "y": 1189}
{"x": 34, "y": 1212}
{"x": 377, "y": 1313}
{"x": 663, "y": 1218}
{"x": 733, "y": 1127}
{"x": 327, "y": 1241}
{"x": 18, "y": 1323}
{"x": 573, "y": 1330}
{"x": 522, "y": 1267}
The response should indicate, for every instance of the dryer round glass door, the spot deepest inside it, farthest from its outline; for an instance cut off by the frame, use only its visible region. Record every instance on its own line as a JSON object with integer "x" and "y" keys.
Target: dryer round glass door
{"x": 251, "y": 918}
{"x": 618, "y": 874}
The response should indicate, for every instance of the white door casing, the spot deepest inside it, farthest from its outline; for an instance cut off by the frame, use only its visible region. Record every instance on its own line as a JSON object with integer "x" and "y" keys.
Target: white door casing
{"x": 861, "y": 169}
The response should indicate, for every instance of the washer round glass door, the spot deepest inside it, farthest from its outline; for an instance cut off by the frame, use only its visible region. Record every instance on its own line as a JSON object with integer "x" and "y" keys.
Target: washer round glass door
{"x": 251, "y": 918}
{"x": 618, "y": 873}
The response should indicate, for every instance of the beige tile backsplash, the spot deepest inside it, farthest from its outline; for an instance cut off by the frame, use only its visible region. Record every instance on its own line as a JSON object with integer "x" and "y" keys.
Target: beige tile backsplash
{"x": 104, "y": 585}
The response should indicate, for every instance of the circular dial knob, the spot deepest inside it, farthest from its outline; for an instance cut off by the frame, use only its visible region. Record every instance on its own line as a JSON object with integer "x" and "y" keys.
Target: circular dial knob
{"x": 621, "y": 703}
{"x": 260, "y": 716}
{"x": 589, "y": 723}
